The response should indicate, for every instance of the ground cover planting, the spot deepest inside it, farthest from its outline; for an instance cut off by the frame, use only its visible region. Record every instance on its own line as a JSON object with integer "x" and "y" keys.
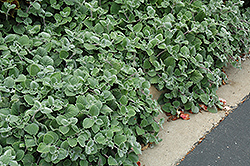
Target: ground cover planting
{"x": 75, "y": 74}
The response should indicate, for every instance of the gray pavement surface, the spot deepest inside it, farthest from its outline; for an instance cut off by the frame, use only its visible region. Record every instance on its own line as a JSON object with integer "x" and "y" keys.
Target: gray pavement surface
{"x": 228, "y": 144}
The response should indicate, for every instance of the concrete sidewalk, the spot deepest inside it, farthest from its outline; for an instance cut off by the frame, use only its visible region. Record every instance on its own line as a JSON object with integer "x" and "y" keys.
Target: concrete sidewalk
{"x": 179, "y": 136}
{"x": 228, "y": 144}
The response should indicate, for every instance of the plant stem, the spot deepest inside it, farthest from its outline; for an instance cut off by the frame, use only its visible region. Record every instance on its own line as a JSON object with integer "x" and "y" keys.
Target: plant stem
{"x": 72, "y": 55}
{"x": 44, "y": 22}
{"x": 161, "y": 53}
{"x": 20, "y": 57}
{"x": 91, "y": 13}
{"x": 108, "y": 62}
{"x": 116, "y": 147}
{"x": 187, "y": 32}
{"x": 133, "y": 74}
{"x": 143, "y": 92}
{"x": 206, "y": 69}
{"x": 89, "y": 116}
{"x": 28, "y": 8}
{"x": 126, "y": 16}
{"x": 131, "y": 150}
{"x": 33, "y": 117}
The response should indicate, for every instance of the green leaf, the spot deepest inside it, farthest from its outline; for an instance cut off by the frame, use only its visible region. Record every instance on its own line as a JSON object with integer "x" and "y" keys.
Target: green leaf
{"x": 19, "y": 29}
{"x": 92, "y": 81}
{"x": 87, "y": 123}
{"x": 146, "y": 64}
{"x": 94, "y": 110}
{"x": 131, "y": 112}
{"x": 133, "y": 157}
{"x": 159, "y": 37}
{"x": 33, "y": 69}
{"x": 176, "y": 48}
{"x": 124, "y": 100}
{"x": 72, "y": 142}
{"x": 35, "y": 29}
{"x": 106, "y": 109}
{"x": 21, "y": 78}
{"x": 46, "y": 110}
{"x": 42, "y": 162}
{"x": 29, "y": 99}
{"x": 55, "y": 136}
{"x": 66, "y": 12}
{"x": 48, "y": 139}
{"x": 57, "y": 76}
{"x": 72, "y": 111}
{"x": 9, "y": 82}
{"x": 21, "y": 13}
{"x": 155, "y": 126}
{"x": 3, "y": 47}
{"x": 64, "y": 129}
{"x": 188, "y": 105}
{"x": 81, "y": 140}
{"x": 100, "y": 138}
{"x": 28, "y": 159}
{"x": 24, "y": 40}
{"x": 6, "y": 157}
{"x": 99, "y": 122}
{"x": 138, "y": 27}
{"x": 176, "y": 104}
{"x": 9, "y": 38}
{"x": 84, "y": 163}
{"x": 30, "y": 142}
{"x": 118, "y": 139}
{"x": 200, "y": 16}
{"x": 89, "y": 46}
{"x": 204, "y": 98}
{"x": 19, "y": 155}
{"x": 31, "y": 129}
{"x": 46, "y": 60}
{"x": 195, "y": 109}
{"x": 150, "y": 11}
{"x": 183, "y": 99}
{"x": 112, "y": 161}
{"x": 185, "y": 51}
{"x": 63, "y": 54}
{"x": 98, "y": 28}
{"x": 95, "y": 39}
{"x": 36, "y": 5}
{"x": 123, "y": 110}
{"x": 43, "y": 148}
{"x": 146, "y": 84}
{"x": 212, "y": 109}
{"x": 139, "y": 131}
{"x": 137, "y": 149}
{"x": 44, "y": 35}
{"x": 105, "y": 43}
{"x": 95, "y": 128}
{"x": 51, "y": 100}
{"x": 108, "y": 95}
{"x": 196, "y": 76}
{"x": 115, "y": 8}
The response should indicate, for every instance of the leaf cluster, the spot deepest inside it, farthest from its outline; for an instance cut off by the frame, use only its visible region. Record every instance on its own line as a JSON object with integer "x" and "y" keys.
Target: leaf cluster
{"x": 75, "y": 75}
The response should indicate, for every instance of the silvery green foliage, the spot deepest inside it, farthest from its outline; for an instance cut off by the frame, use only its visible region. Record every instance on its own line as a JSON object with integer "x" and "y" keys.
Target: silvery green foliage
{"x": 81, "y": 113}
{"x": 75, "y": 75}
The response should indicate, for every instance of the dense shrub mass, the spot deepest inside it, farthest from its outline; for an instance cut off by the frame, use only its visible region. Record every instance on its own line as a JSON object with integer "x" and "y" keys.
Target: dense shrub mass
{"x": 75, "y": 74}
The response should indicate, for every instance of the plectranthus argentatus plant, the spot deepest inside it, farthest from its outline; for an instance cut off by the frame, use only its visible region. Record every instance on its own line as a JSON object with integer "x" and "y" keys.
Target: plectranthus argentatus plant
{"x": 75, "y": 75}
